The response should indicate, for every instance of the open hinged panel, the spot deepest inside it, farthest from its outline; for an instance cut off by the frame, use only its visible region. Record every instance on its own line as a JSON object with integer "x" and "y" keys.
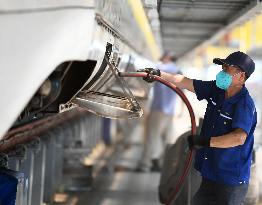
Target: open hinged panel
{"x": 99, "y": 97}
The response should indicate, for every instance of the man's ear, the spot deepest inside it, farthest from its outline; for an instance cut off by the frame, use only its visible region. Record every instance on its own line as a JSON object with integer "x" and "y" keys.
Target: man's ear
{"x": 243, "y": 76}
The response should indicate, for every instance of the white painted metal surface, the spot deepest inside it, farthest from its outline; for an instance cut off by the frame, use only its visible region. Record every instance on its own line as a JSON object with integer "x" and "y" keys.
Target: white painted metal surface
{"x": 34, "y": 39}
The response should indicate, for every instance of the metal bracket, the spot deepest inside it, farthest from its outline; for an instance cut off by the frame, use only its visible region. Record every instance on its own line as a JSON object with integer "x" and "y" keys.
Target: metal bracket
{"x": 19, "y": 152}
{"x": 35, "y": 145}
{"x": 66, "y": 107}
{"x": 3, "y": 160}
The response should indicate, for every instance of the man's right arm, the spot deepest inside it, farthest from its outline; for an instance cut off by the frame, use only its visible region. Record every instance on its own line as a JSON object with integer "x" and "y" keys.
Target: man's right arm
{"x": 179, "y": 81}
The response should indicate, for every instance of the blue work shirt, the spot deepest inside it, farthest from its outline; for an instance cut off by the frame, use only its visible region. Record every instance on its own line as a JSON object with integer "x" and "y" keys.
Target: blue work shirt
{"x": 163, "y": 97}
{"x": 230, "y": 166}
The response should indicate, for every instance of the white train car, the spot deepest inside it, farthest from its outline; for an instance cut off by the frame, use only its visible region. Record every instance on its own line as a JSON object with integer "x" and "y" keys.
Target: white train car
{"x": 50, "y": 50}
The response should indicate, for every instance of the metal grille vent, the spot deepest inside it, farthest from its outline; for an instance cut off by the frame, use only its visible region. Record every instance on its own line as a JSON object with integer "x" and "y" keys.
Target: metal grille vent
{"x": 108, "y": 105}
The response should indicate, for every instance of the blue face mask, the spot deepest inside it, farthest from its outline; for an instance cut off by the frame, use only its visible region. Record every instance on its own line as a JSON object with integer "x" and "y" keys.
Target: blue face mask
{"x": 223, "y": 80}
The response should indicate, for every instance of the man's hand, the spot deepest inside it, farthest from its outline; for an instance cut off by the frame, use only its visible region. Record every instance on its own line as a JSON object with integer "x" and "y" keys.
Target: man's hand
{"x": 197, "y": 142}
{"x": 150, "y": 73}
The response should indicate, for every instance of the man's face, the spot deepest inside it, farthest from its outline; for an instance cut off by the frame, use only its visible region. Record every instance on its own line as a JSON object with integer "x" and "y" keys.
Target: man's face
{"x": 166, "y": 59}
{"x": 238, "y": 76}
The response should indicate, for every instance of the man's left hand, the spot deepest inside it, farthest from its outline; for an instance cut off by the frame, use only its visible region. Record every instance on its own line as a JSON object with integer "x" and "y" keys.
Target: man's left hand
{"x": 197, "y": 142}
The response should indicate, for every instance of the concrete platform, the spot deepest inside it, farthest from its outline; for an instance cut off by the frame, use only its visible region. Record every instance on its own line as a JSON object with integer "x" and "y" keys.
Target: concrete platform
{"x": 118, "y": 183}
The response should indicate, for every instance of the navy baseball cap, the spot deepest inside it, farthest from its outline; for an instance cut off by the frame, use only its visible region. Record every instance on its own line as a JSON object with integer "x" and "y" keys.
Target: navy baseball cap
{"x": 238, "y": 59}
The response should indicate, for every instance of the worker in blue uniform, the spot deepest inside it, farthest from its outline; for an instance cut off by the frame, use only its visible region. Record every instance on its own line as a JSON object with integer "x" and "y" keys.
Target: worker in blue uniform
{"x": 224, "y": 146}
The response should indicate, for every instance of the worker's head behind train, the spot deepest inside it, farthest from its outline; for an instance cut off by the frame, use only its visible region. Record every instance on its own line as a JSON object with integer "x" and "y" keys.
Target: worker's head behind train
{"x": 168, "y": 56}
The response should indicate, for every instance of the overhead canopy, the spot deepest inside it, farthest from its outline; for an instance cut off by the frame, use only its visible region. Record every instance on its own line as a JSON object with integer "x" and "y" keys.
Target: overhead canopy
{"x": 186, "y": 24}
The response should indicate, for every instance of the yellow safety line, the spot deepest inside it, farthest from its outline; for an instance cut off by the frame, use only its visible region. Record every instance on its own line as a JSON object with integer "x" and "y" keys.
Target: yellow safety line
{"x": 141, "y": 18}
